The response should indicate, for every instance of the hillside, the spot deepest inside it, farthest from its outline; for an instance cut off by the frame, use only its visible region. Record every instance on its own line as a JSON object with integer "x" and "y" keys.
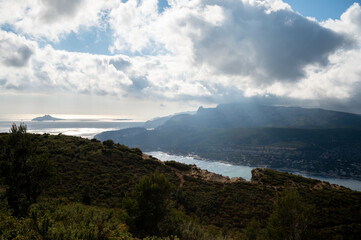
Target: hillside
{"x": 108, "y": 174}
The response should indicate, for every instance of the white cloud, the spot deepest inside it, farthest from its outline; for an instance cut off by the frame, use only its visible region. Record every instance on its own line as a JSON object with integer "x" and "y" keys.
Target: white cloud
{"x": 270, "y": 5}
{"x": 207, "y": 50}
{"x": 53, "y": 19}
{"x": 51, "y": 70}
{"x": 349, "y": 22}
{"x": 12, "y": 11}
{"x": 80, "y": 72}
{"x": 15, "y": 57}
{"x": 130, "y": 23}
{"x": 15, "y": 51}
{"x": 264, "y": 40}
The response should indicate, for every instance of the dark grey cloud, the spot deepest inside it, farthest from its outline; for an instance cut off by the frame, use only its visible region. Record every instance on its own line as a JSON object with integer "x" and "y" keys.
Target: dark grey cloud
{"x": 269, "y": 47}
{"x": 15, "y": 87}
{"x": 120, "y": 64}
{"x": 10, "y": 86}
{"x": 2, "y": 82}
{"x": 139, "y": 83}
{"x": 19, "y": 58}
{"x": 101, "y": 92}
{"x": 57, "y": 9}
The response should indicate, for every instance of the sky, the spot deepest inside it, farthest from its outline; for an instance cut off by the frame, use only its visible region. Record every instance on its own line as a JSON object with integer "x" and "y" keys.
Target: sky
{"x": 145, "y": 58}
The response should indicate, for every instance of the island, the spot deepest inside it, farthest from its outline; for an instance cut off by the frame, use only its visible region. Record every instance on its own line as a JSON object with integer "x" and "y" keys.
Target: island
{"x": 122, "y": 119}
{"x": 46, "y": 118}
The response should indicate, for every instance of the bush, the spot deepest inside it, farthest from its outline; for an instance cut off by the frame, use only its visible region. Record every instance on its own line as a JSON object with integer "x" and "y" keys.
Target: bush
{"x": 290, "y": 218}
{"x": 150, "y": 204}
{"x": 108, "y": 143}
{"x": 179, "y": 166}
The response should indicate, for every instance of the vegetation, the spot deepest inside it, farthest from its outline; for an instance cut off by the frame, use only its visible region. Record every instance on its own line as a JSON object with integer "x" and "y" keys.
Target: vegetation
{"x": 109, "y": 191}
{"x": 290, "y": 217}
{"x": 60, "y": 219}
{"x": 24, "y": 173}
{"x": 177, "y": 165}
{"x": 149, "y": 204}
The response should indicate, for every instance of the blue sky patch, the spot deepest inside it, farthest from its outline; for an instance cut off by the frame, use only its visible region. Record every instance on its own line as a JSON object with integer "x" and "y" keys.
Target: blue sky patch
{"x": 93, "y": 40}
{"x": 321, "y": 9}
{"x": 7, "y": 28}
{"x": 162, "y": 5}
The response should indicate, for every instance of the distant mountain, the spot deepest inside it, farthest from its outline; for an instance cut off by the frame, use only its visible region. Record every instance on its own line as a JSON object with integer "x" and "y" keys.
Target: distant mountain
{"x": 159, "y": 121}
{"x": 46, "y": 118}
{"x": 156, "y": 122}
{"x": 254, "y": 115}
{"x": 315, "y": 141}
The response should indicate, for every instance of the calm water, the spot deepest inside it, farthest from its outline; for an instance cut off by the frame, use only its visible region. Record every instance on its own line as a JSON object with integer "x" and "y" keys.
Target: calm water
{"x": 243, "y": 171}
{"x": 86, "y": 128}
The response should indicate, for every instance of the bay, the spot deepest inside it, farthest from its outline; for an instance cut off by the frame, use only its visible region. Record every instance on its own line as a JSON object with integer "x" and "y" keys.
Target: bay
{"x": 230, "y": 170}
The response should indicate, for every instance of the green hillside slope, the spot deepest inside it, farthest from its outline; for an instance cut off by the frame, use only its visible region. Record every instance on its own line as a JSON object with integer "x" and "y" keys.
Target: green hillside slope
{"x": 203, "y": 205}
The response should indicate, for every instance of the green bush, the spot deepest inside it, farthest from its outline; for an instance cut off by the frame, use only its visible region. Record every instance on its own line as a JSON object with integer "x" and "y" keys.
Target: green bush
{"x": 290, "y": 218}
{"x": 179, "y": 166}
{"x": 149, "y": 204}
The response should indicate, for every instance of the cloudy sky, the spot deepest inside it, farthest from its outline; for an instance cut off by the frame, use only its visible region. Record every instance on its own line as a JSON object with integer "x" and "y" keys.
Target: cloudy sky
{"x": 147, "y": 58}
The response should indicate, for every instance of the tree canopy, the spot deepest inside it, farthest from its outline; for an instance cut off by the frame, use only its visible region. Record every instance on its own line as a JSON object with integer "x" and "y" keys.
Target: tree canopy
{"x": 150, "y": 202}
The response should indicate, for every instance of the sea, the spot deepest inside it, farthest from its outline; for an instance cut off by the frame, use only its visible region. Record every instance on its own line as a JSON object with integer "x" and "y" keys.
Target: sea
{"x": 88, "y": 126}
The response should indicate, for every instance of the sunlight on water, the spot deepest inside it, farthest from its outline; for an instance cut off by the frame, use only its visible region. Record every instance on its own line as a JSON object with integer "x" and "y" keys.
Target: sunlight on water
{"x": 86, "y": 129}
{"x": 70, "y": 117}
{"x": 78, "y": 132}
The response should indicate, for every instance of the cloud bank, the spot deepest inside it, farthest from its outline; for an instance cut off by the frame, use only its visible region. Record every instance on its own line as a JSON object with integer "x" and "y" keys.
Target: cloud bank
{"x": 205, "y": 50}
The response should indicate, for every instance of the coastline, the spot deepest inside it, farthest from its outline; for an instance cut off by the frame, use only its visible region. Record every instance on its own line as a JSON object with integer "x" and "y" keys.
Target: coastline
{"x": 354, "y": 184}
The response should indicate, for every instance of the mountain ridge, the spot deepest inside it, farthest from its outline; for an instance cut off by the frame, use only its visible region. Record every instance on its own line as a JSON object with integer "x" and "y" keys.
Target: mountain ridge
{"x": 255, "y": 115}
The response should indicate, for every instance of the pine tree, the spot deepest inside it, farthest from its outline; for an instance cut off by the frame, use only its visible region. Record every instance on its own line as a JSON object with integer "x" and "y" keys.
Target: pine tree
{"x": 24, "y": 174}
{"x": 290, "y": 218}
{"x": 150, "y": 203}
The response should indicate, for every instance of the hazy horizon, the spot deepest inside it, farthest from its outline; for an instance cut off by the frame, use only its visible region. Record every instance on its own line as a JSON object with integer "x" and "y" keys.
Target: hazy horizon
{"x": 69, "y": 117}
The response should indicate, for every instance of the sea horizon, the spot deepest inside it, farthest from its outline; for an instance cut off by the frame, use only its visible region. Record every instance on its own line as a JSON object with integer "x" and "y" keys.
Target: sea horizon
{"x": 86, "y": 126}
{"x": 27, "y": 117}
